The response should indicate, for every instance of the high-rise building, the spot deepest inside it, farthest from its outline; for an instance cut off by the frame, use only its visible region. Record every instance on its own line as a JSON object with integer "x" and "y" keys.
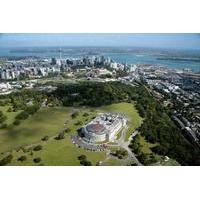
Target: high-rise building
{"x": 53, "y": 61}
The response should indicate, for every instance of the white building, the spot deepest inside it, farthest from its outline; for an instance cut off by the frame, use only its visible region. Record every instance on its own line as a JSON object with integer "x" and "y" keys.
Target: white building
{"x": 103, "y": 128}
{"x": 113, "y": 65}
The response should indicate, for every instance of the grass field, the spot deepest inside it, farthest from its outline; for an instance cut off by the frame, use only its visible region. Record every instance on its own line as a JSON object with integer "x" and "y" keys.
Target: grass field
{"x": 112, "y": 162}
{"x": 49, "y": 121}
{"x": 59, "y": 153}
{"x": 10, "y": 115}
{"x": 130, "y": 111}
{"x": 44, "y": 122}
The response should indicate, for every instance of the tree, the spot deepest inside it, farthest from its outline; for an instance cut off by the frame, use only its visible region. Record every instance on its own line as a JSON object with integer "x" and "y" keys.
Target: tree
{"x": 85, "y": 114}
{"x": 37, "y": 160}
{"x": 85, "y": 163}
{"x": 37, "y": 148}
{"x": 82, "y": 157}
{"x": 9, "y": 109}
{"x": 78, "y": 123}
{"x": 6, "y": 160}
{"x": 67, "y": 130}
{"x": 22, "y": 116}
{"x": 16, "y": 122}
{"x": 22, "y": 158}
{"x": 2, "y": 117}
{"x": 4, "y": 125}
{"x": 74, "y": 115}
{"x": 60, "y": 136}
{"x": 121, "y": 153}
{"x": 45, "y": 138}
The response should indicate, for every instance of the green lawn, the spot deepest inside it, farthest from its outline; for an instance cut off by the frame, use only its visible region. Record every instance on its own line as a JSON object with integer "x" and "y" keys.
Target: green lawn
{"x": 112, "y": 162}
{"x": 59, "y": 153}
{"x": 130, "y": 111}
{"x": 10, "y": 115}
{"x": 49, "y": 121}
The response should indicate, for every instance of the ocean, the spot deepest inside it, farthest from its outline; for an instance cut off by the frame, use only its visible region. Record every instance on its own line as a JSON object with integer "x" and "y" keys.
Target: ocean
{"x": 152, "y": 59}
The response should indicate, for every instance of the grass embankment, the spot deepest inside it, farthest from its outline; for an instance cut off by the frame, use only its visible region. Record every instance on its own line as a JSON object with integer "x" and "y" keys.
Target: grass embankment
{"x": 130, "y": 111}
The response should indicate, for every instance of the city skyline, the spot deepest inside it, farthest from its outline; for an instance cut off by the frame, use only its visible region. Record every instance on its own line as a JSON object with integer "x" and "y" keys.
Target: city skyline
{"x": 145, "y": 40}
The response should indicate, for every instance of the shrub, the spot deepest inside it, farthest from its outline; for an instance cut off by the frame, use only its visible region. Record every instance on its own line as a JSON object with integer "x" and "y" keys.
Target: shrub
{"x": 45, "y": 138}
{"x": 37, "y": 160}
{"x": 2, "y": 117}
{"x": 134, "y": 164}
{"x": 37, "y": 148}
{"x": 74, "y": 115}
{"x": 60, "y": 136}
{"x": 121, "y": 153}
{"x": 82, "y": 157}
{"x": 6, "y": 160}
{"x": 23, "y": 115}
{"x": 32, "y": 109}
{"x": 85, "y": 114}
{"x": 78, "y": 123}
{"x": 4, "y": 125}
{"x": 67, "y": 130}
{"x": 9, "y": 109}
{"x": 41, "y": 164}
{"x": 22, "y": 158}
{"x": 16, "y": 122}
{"x": 85, "y": 163}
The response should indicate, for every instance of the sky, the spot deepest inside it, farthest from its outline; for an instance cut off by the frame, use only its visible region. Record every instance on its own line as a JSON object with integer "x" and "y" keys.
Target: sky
{"x": 152, "y": 40}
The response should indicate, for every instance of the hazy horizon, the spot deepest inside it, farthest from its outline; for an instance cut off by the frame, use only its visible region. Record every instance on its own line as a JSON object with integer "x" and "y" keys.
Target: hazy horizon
{"x": 133, "y": 40}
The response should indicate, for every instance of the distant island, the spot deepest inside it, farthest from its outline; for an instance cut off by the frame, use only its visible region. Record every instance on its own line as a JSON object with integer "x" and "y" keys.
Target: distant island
{"x": 180, "y": 59}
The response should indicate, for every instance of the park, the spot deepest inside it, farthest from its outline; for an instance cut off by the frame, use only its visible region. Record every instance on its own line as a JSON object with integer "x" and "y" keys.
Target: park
{"x": 49, "y": 122}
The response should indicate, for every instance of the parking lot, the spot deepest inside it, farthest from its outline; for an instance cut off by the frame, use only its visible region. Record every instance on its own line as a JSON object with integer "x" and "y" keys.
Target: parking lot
{"x": 79, "y": 142}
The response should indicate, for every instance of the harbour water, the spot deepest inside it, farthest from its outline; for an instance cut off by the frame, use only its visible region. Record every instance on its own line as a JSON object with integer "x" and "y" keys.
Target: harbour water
{"x": 122, "y": 56}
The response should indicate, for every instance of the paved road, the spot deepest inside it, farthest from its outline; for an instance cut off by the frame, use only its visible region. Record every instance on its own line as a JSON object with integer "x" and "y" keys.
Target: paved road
{"x": 123, "y": 136}
{"x": 125, "y": 145}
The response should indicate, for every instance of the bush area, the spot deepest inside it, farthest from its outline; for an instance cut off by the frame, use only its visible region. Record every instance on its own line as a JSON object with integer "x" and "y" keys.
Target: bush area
{"x": 158, "y": 128}
{"x": 92, "y": 93}
{"x": 29, "y": 110}
{"x": 146, "y": 158}
{"x": 120, "y": 154}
